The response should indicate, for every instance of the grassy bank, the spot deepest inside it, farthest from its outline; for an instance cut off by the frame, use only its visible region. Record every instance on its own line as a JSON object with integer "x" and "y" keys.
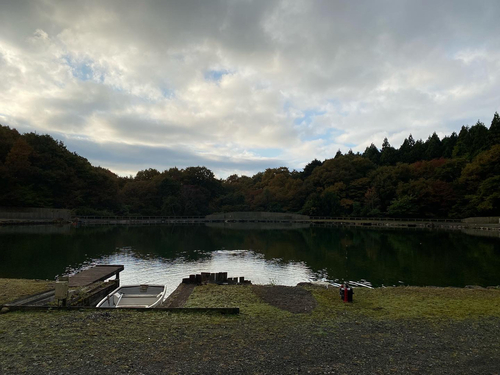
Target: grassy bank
{"x": 381, "y": 303}
{"x": 392, "y": 330}
{"x": 13, "y": 289}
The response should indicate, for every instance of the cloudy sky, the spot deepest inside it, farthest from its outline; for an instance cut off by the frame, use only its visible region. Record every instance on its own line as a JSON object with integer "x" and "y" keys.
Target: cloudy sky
{"x": 240, "y": 86}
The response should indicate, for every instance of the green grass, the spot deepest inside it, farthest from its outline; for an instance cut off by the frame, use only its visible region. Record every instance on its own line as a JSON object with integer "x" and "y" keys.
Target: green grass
{"x": 13, "y": 289}
{"x": 448, "y": 303}
{"x": 241, "y": 296}
{"x": 412, "y": 303}
{"x": 381, "y": 303}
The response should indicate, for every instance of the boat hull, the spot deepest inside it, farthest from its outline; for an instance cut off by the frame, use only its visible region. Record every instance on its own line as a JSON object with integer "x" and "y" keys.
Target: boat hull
{"x": 134, "y": 296}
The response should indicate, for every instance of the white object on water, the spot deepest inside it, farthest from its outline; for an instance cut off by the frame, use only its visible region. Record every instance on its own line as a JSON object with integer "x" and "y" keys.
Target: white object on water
{"x": 135, "y": 296}
{"x": 365, "y": 284}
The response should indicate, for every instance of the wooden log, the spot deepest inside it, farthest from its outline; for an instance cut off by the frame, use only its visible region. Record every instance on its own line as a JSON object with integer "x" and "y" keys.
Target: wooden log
{"x": 198, "y": 279}
{"x": 242, "y": 279}
{"x": 212, "y": 277}
{"x": 220, "y": 310}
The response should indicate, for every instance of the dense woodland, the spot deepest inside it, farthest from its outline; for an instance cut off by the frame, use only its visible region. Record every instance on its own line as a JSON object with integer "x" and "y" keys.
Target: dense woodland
{"x": 457, "y": 176}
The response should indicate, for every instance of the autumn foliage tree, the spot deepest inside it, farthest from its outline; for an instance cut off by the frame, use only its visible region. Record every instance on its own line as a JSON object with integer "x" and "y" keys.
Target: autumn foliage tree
{"x": 456, "y": 176}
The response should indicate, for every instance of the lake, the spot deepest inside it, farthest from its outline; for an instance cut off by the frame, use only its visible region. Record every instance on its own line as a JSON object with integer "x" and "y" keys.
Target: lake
{"x": 264, "y": 254}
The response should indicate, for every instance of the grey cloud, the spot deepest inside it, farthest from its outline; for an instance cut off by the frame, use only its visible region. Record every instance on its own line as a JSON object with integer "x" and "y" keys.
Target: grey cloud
{"x": 393, "y": 67}
{"x": 130, "y": 128}
{"x": 138, "y": 157}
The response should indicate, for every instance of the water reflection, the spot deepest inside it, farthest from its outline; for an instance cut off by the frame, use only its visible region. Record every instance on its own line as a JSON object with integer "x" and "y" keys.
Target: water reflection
{"x": 254, "y": 266}
{"x": 261, "y": 254}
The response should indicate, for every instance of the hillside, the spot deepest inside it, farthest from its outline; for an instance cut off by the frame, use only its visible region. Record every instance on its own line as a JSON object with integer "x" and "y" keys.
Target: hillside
{"x": 457, "y": 176}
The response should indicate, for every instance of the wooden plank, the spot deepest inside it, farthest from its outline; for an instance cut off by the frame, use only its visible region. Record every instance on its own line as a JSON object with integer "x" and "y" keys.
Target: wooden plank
{"x": 94, "y": 274}
{"x": 219, "y": 310}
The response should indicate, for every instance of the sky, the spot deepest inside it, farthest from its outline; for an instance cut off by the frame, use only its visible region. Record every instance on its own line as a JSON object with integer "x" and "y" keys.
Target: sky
{"x": 240, "y": 86}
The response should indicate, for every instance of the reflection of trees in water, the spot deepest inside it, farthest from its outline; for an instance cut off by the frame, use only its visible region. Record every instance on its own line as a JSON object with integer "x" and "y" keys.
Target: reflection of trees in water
{"x": 380, "y": 256}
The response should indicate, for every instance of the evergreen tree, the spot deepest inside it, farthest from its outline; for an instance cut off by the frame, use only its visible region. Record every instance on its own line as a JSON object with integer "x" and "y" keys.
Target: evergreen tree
{"x": 372, "y": 153}
{"x": 433, "y": 147}
{"x": 388, "y": 156}
{"x": 494, "y": 132}
{"x": 480, "y": 141}
{"x": 464, "y": 143}
{"x": 404, "y": 152}
{"x": 417, "y": 152}
{"x": 448, "y": 144}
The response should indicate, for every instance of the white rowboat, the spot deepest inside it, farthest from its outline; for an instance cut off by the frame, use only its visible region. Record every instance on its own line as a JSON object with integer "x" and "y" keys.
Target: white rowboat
{"x": 135, "y": 296}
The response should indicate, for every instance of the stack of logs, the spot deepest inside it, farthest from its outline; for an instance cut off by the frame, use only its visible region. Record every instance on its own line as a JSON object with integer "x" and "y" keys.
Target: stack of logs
{"x": 215, "y": 278}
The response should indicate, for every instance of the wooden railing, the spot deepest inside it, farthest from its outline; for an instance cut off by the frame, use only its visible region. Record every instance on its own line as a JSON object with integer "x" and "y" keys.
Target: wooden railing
{"x": 343, "y": 218}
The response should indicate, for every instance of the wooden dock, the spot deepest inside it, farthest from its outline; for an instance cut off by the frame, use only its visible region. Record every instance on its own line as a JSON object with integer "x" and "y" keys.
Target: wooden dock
{"x": 95, "y": 274}
{"x": 215, "y": 278}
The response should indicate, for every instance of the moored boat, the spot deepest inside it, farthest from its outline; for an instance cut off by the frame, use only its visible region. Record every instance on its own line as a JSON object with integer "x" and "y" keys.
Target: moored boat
{"x": 135, "y": 296}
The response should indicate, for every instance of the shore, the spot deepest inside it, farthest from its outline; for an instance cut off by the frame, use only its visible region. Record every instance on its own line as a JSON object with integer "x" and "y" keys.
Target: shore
{"x": 280, "y": 330}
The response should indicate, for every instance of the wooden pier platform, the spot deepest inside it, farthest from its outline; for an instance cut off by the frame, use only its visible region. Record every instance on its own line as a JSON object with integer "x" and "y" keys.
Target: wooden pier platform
{"x": 95, "y": 274}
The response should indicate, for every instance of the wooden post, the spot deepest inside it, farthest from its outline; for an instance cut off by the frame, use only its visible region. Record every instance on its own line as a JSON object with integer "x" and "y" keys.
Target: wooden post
{"x": 61, "y": 290}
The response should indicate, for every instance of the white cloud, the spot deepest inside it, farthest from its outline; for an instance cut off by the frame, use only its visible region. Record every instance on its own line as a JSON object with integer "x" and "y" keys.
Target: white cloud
{"x": 221, "y": 80}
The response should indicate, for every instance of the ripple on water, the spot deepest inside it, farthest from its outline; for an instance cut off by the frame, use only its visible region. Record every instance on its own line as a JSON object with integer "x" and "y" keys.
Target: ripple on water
{"x": 247, "y": 263}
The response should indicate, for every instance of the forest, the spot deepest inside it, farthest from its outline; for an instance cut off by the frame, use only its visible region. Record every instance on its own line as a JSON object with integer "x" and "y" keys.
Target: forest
{"x": 457, "y": 176}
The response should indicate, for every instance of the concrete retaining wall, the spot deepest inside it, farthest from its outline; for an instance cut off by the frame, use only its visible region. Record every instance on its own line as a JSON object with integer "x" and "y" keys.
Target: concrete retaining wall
{"x": 18, "y": 213}
{"x": 257, "y": 216}
{"x": 482, "y": 220}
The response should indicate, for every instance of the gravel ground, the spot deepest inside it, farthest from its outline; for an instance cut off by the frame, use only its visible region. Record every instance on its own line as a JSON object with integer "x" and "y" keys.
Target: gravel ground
{"x": 353, "y": 347}
{"x": 334, "y": 338}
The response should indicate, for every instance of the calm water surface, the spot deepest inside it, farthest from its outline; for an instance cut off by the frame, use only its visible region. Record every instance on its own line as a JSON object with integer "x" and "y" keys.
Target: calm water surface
{"x": 281, "y": 255}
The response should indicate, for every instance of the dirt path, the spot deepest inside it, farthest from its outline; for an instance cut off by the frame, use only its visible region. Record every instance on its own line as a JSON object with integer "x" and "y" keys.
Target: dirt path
{"x": 292, "y": 299}
{"x": 179, "y": 296}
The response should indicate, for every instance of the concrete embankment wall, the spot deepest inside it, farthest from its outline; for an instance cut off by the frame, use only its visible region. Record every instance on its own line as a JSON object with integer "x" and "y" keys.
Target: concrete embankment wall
{"x": 259, "y": 225}
{"x": 257, "y": 216}
{"x": 28, "y": 213}
{"x": 482, "y": 220}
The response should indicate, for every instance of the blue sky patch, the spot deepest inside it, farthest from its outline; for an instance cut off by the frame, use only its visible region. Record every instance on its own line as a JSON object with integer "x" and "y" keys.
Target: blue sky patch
{"x": 215, "y": 75}
{"x": 80, "y": 69}
{"x": 168, "y": 93}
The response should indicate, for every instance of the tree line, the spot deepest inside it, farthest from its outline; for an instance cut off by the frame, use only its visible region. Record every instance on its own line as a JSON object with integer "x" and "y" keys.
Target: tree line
{"x": 457, "y": 176}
